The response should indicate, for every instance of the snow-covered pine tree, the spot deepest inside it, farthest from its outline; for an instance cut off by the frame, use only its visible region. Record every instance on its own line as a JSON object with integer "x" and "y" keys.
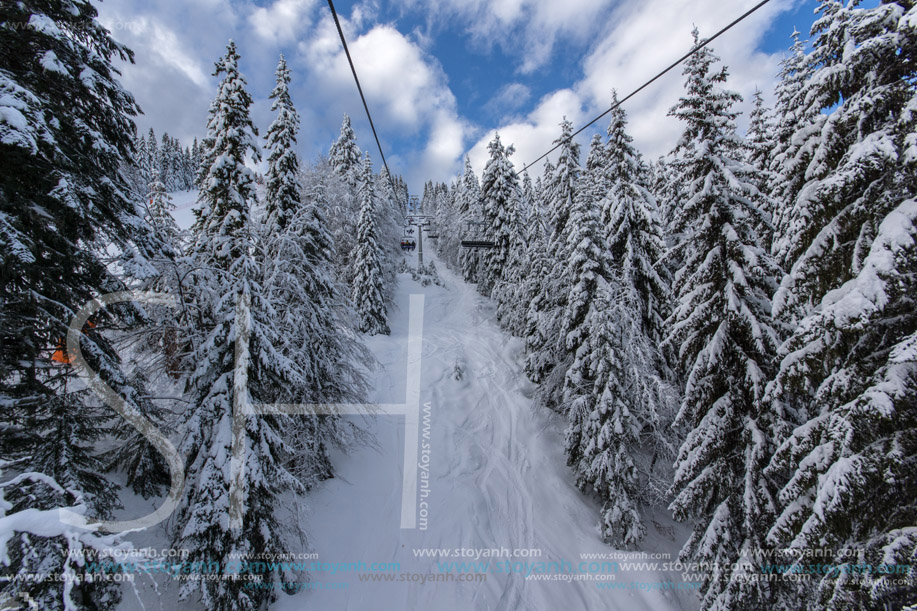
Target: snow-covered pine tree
{"x": 282, "y": 185}
{"x": 633, "y": 229}
{"x": 725, "y": 341}
{"x": 345, "y": 155}
{"x": 528, "y": 248}
{"x": 854, "y": 177}
{"x": 65, "y": 133}
{"x": 617, "y": 401}
{"x": 367, "y": 290}
{"x": 584, "y": 257}
{"x": 543, "y": 341}
{"x": 470, "y": 213}
{"x": 848, "y": 472}
{"x": 499, "y": 191}
{"x": 847, "y": 375}
{"x": 159, "y": 208}
{"x": 227, "y": 280}
{"x": 346, "y": 160}
{"x": 797, "y": 125}
{"x": 298, "y": 275}
{"x": 759, "y": 146}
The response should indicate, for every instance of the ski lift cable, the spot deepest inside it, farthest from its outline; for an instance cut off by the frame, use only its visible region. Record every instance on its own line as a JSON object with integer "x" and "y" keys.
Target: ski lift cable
{"x": 700, "y": 46}
{"x": 356, "y": 79}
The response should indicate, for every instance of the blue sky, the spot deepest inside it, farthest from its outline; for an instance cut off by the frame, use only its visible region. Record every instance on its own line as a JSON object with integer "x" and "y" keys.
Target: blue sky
{"x": 442, "y": 76}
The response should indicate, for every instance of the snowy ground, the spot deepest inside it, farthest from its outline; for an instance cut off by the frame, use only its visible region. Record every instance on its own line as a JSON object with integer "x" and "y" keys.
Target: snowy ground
{"x": 498, "y": 481}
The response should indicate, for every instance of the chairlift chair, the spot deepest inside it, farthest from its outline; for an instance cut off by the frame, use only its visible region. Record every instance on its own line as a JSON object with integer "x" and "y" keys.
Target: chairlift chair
{"x": 474, "y": 238}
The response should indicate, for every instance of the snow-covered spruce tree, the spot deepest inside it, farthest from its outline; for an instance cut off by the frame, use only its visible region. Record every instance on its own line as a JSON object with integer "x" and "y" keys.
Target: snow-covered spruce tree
{"x": 145, "y": 469}
{"x": 389, "y": 228}
{"x": 510, "y": 312}
{"x": 470, "y": 213}
{"x": 446, "y": 221}
{"x": 615, "y": 430}
{"x": 759, "y": 145}
{"x": 162, "y": 340}
{"x": 725, "y": 341}
{"x": 538, "y": 264}
{"x": 196, "y": 161}
{"x": 526, "y": 253}
{"x": 65, "y": 133}
{"x": 141, "y": 171}
{"x": 345, "y": 156}
{"x": 854, "y": 177}
{"x": 346, "y": 160}
{"x": 367, "y": 289}
{"x": 847, "y": 373}
{"x": 298, "y": 277}
{"x": 159, "y": 208}
{"x": 633, "y": 230}
{"x": 544, "y": 341}
{"x": 144, "y": 466}
{"x": 282, "y": 184}
{"x": 211, "y": 522}
{"x": 527, "y": 197}
{"x": 584, "y": 256}
{"x": 165, "y": 163}
{"x": 152, "y": 152}
{"x": 499, "y": 190}
{"x": 30, "y": 504}
{"x": 850, "y": 485}
{"x": 563, "y": 186}
{"x": 797, "y": 125}
{"x": 668, "y": 193}
{"x": 582, "y": 261}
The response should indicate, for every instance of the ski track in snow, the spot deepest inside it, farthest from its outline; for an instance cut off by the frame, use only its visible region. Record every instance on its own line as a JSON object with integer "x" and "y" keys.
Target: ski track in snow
{"x": 498, "y": 479}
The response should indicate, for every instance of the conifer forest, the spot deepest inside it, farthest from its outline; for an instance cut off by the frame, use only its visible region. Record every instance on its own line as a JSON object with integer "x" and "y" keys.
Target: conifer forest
{"x": 285, "y": 357}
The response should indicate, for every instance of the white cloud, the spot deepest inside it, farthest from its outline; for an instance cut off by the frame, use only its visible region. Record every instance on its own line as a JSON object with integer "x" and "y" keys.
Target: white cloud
{"x": 405, "y": 88}
{"x": 281, "y": 21}
{"x": 176, "y": 42}
{"x": 641, "y": 40}
{"x": 527, "y": 29}
{"x": 509, "y": 98}
{"x": 535, "y": 134}
{"x": 650, "y": 36}
{"x": 170, "y": 49}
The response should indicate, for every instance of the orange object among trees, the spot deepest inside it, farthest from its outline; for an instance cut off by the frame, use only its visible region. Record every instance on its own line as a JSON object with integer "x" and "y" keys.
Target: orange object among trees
{"x": 61, "y": 355}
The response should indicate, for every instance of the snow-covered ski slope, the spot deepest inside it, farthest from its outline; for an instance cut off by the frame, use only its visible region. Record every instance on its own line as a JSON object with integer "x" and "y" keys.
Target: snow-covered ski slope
{"x": 498, "y": 481}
